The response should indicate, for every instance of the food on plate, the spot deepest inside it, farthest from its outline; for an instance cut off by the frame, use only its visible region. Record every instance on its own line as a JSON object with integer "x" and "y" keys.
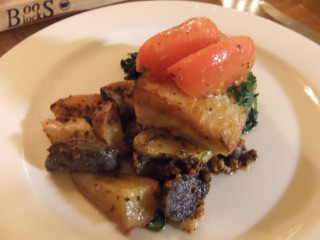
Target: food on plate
{"x": 129, "y": 67}
{"x": 79, "y": 154}
{"x": 213, "y": 123}
{"x": 106, "y": 124}
{"x": 191, "y": 223}
{"x": 183, "y": 195}
{"x": 120, "y": 93}
{"x": 167, "y": 47}
{"x": 143, "y": 150}
{"x": 76, "y": 106}
{"x": 121, "y": 197}
{"x": 240, "y": 158}
{"x": 159, "y": 143}
{"x": 67, "y": 128}
{"x": 215, "y": 68}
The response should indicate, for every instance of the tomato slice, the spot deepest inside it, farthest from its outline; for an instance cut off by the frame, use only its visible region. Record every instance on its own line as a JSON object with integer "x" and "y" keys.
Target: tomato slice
{"x": 215, "y": 68}
{"x": 167, "y": 47}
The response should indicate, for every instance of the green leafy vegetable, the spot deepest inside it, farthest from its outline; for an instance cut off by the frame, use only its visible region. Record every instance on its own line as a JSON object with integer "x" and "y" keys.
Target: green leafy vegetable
{"x": 158, "y": 223}
{"x": 244, "y": 95}
{"x": 244, "y": 92}
{"x": 251, "y": 122}
{"x": 129, "y": 67}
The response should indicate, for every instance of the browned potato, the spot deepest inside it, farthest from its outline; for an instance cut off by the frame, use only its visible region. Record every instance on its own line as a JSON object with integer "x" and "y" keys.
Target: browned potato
{"x": 156, "y": 143}
{"x": 129, "y": 201}
{"x": 76, "y": 106}
{"x": 106, "y": 124}
{"x": 213, "y": 122}
{"x": 120, "y": 92}
{"x": 61, "y": 131}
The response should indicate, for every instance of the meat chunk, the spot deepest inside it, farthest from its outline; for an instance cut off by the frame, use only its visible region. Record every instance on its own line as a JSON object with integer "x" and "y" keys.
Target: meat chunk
{"x": 183, "y": 196}
{"x": 84, "y": 155}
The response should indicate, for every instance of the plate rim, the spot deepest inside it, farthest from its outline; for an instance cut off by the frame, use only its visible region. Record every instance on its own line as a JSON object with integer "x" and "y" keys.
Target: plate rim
{"x": 51, "y": 27}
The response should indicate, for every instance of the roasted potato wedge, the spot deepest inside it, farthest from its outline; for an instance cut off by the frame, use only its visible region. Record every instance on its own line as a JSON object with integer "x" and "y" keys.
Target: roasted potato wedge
{"x": 158, "y": 143}
{"x": 106, "y": 124}
{"x": 121, "y": 93}
{"x": 67, "y": 128}
{"x": 76, "y": 106}
{"x": 214, "y": 123}
{"x": 129, "y": 201}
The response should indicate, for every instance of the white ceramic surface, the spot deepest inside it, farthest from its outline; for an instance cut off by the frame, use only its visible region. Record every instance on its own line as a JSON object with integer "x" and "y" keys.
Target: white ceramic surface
{"x": 277, "y": 199}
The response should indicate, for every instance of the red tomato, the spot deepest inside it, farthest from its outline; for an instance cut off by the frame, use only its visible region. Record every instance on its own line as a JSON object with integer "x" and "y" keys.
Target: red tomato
{"x": 166, "y": 48}
{"x": 214, "y": 68}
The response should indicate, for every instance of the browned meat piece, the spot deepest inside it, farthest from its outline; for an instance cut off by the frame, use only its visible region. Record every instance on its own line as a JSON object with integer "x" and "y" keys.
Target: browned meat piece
{"x": 83, "y": 155}
{"x": 183, "y": 196}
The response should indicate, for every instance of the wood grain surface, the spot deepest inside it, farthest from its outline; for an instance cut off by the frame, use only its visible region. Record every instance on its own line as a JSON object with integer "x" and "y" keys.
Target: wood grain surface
{"x": 304, "y": 11}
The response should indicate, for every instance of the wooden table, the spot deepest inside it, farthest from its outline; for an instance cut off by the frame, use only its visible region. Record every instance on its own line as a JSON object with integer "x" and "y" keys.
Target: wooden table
{"x": 304, "y": 11}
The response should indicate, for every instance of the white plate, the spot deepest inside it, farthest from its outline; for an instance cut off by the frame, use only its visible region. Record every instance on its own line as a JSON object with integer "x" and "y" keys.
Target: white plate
{"x": 277, "y": 199}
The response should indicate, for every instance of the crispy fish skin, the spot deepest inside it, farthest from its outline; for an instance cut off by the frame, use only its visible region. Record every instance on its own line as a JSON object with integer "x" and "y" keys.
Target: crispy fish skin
{"x": 214, "y": 122}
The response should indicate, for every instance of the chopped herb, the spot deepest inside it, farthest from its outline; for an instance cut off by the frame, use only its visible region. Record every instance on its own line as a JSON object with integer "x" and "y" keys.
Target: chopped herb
{"x": 158, "y": 222}
{"x": 129, "y": 67}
